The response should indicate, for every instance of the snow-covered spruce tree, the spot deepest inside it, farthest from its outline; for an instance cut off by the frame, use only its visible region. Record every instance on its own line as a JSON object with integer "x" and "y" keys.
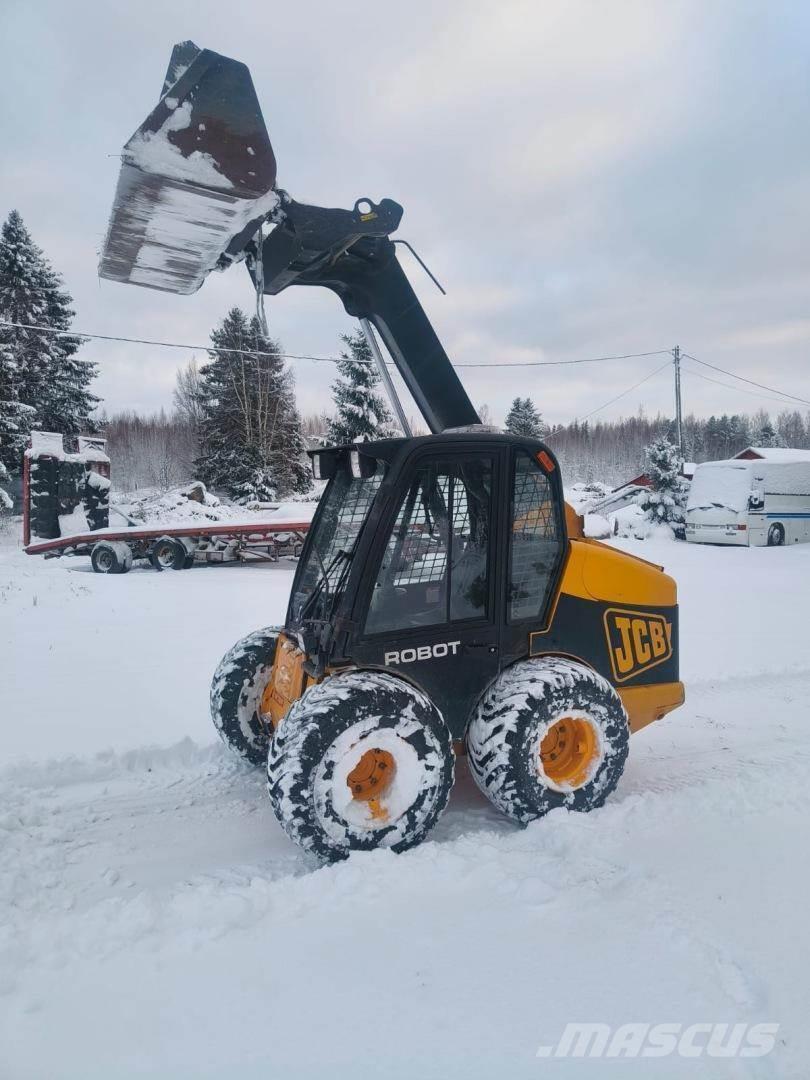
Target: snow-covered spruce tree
{"x": 664, "y": 500}
{"x": 766, "y": 435}
{"x": 251, "y": 444}
{"x": 49, "y": 377}
{"x": 361, "y": 412}
{"x": 16, "y": 419}
{"x": 5, "y": 499}
{"x": 524, "y": 419}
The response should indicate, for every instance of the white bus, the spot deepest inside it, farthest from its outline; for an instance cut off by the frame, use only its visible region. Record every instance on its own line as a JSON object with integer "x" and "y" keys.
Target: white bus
{"x": 756, "y": 502}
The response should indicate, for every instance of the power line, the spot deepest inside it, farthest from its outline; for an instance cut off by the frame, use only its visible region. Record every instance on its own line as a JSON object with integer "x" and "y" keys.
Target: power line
{"x": 783, "y": 396}
{"x": 624, "y": 393}
{"x": 298, "y": 356}
{"x": 762, "y": 386}
{"x": 167, "y": 344}
{"x": 564, "y": 363}
{"x": 738, "y": 389}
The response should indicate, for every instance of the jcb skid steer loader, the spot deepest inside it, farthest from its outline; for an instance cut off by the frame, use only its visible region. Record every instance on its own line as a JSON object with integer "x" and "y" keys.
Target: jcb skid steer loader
{"x": 446, "y": 596}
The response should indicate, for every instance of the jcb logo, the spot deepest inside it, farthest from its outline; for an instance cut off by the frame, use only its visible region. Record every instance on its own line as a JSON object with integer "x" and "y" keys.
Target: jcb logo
{"x": 637, "y": 641}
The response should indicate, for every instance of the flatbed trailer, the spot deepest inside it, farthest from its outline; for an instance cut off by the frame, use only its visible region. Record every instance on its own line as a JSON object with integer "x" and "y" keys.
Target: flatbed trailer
{"x": 113, "y": 550}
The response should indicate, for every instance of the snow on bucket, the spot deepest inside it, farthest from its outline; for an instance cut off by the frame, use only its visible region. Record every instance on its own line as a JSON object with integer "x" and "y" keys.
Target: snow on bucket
{"x": 197, "y": 173}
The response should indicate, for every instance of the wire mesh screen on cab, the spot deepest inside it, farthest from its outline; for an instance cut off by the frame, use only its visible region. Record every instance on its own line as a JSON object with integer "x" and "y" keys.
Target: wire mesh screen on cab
{"x": 535, "y": 542}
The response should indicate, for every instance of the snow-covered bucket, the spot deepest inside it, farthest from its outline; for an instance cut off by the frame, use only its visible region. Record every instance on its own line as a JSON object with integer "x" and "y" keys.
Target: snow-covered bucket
{"x": 197, "y": 173}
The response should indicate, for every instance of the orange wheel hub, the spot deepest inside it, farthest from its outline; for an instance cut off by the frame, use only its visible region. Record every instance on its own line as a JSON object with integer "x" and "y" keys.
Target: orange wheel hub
{"x": 370, "y": 779}
{"x": 568, "y": 751}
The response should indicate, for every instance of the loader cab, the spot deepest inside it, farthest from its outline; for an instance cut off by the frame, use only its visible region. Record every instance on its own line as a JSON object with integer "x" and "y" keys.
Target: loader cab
{"x": 432, "y": 557}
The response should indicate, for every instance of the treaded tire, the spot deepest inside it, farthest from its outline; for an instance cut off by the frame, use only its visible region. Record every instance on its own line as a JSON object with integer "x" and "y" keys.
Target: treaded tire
{"x": 326, "y": 731}
{"x": 776, "y": 535}
{"x": 168, "y": 553}
{"x": 236, "y": 692}
{"x": 111, "y": 557}
{"x": 504, "y": 736}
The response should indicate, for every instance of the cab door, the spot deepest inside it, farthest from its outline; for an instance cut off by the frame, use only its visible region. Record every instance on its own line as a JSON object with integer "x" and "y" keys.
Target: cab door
{"x": 429, "y": 609}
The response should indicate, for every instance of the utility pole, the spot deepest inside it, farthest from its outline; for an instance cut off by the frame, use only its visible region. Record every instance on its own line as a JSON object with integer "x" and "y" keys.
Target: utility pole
{"x": 676, "y": 358}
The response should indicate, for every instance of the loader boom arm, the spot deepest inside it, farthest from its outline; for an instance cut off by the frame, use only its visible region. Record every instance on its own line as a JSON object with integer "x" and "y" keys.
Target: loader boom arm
{"x": 349, "y": 252}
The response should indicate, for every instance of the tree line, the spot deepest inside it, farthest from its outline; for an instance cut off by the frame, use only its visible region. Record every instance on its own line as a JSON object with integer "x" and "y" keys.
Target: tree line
{"x": 614, "y": 450}
{"x": 235, "y": 423}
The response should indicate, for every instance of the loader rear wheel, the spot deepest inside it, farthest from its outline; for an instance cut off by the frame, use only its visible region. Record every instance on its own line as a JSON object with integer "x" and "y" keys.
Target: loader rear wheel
{"x": 361, "y": 761}
{"x": 548, "y": 733}
{"x": 236, "y": 693}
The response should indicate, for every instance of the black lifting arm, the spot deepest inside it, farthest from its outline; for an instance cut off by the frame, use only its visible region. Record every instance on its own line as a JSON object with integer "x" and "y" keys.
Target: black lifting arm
{"x": 349, "y": 252}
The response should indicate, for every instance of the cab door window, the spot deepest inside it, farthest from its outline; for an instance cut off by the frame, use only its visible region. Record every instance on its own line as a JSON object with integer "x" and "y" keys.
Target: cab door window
{"x": 435, "y": 565}
{"x": 535, "y": 542}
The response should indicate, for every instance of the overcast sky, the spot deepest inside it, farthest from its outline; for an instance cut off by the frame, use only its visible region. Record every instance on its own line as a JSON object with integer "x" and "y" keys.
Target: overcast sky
{"x": 584, "y": 178}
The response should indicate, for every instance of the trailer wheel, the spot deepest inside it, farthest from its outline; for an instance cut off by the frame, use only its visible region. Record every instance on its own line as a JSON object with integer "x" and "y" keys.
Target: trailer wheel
{"x": 548, "y": 733}
{"x": 236, "y": 693}
{"x": 111, "y": 557}
{"x": 167, "y": 554}
{"x": 361, "y": 761}
{"x": 776, "y": 535}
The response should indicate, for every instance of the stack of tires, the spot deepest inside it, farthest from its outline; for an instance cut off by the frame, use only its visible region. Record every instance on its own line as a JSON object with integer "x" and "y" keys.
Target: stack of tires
{"x": 96, "y": 500}
{"x": 44, "y": 496}
{"x": 70, "y": 484}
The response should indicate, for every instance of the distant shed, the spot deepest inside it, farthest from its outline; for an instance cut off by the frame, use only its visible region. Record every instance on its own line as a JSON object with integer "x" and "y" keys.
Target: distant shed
{"x": 772, "y": 453}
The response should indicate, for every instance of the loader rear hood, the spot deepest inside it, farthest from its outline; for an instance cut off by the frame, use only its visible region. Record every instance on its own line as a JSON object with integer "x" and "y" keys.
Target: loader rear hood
{"x": 608, "y": 575}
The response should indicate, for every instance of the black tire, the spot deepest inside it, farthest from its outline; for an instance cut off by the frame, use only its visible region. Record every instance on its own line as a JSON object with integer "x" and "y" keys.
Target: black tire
{"x": 111, "y": 557}
{"x": 167, "y": 553}
{"x": 236, "y": 692}
{"x": 776, "y": 535}
{"x": 505, "y": 736}
{"x": 45, "y": 501}
{"x": 320, "y": 742}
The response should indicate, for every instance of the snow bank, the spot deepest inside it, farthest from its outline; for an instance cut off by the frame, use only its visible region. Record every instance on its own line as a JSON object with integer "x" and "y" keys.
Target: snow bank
{"x": 597, "y": 527}
{"x": 155, "y": 920}
{"x": 181, "y": 506}
{"x": 584, "y": 496}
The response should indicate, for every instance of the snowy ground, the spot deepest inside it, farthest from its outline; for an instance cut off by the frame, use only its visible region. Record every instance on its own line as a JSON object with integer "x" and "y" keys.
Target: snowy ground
{"x": 155, "y": 921}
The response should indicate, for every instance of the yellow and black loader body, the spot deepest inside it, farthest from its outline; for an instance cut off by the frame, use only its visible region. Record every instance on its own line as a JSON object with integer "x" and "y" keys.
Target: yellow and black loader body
{"x": 448, "y": 558}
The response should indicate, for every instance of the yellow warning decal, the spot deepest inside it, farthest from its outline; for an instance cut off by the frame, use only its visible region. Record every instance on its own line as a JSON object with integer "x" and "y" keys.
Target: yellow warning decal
{"x": 637, "y": 641}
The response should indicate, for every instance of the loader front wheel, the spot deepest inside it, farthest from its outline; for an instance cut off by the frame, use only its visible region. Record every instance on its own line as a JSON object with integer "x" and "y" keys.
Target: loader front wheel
{"x": 236, "y": 693}
{"x": 548, "y": 733}
{"x": 361, "y": 761}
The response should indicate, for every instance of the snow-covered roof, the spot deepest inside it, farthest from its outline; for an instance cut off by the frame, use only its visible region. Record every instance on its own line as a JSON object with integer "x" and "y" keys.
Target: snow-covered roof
{"x": 52, "y": 444}
{"x": 774, "y": 453}
{"x": 47, "y": 442}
